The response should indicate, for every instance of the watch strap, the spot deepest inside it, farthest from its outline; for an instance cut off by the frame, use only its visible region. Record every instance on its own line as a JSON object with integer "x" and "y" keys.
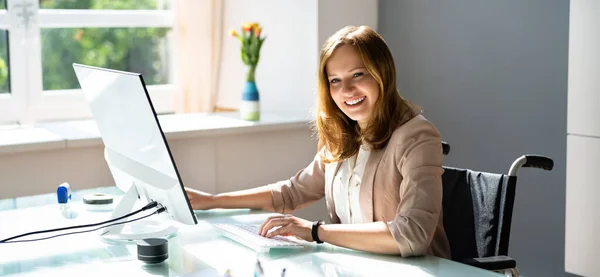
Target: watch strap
{"x": 315, "y": 231}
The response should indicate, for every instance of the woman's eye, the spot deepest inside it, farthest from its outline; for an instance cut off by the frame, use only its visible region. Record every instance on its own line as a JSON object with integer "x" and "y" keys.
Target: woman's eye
{"x": 333, "y": 81}
{"x": 358, "y": 74}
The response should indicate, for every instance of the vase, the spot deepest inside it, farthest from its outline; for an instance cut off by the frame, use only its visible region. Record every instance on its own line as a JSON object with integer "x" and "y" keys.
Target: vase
{"x": 250, "y": 105}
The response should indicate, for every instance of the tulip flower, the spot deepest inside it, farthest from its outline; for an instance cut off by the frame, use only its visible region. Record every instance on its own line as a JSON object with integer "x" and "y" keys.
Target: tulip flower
{"x": 247, "y": 27}
{"x": 251, "y": 43}
{"x": 257, "y": 31}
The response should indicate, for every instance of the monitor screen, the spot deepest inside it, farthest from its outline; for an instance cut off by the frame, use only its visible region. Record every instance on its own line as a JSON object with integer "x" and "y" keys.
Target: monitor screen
{"x": 136, "y": 149}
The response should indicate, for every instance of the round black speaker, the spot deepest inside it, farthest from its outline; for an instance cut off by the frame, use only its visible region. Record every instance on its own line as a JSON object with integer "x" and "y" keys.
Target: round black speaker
{"x": 152, "y": 251}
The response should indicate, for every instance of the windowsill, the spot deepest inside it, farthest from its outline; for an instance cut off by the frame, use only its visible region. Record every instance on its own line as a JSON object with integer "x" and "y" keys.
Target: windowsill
{"x": 84, "y": 133}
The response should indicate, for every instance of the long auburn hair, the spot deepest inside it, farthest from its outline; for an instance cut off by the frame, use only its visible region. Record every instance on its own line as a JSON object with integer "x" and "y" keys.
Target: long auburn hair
{"x": 338, "y": 134}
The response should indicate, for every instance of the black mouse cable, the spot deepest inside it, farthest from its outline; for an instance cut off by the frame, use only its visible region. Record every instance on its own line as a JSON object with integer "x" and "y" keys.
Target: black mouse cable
{"x": 160, "y": 210}
{"x": 148, "y": 206}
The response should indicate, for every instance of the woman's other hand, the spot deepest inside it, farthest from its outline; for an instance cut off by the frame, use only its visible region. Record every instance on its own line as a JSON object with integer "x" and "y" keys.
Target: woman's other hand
{"x": 287, "y": 225}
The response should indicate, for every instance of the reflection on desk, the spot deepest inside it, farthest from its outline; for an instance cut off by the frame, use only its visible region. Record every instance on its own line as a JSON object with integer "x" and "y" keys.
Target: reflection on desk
{"x": 195, "y": 251}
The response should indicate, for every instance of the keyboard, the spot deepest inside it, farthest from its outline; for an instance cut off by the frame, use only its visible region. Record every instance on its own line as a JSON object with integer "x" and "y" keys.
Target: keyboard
{"x": 247, "y": 234}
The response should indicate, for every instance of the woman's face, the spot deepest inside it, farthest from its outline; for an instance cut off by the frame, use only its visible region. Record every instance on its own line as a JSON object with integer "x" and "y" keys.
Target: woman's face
{"x": 351, "y": 86}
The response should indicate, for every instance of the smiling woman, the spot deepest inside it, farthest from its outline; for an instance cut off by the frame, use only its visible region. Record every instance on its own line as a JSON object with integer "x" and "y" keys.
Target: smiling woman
{"x": 379, "y": 166}
{"x": 352, "y": 87}
{"x": 358, "y": 100}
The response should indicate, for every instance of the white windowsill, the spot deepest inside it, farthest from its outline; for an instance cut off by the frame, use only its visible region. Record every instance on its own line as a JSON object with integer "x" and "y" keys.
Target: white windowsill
{"x": 84, "y": 133}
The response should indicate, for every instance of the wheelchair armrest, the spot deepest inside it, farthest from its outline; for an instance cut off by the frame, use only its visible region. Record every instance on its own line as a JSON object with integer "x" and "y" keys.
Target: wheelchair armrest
{"x": 492, "y": 263}
{"x": 445, "y": 148}
{"x": 538, "y": 161}
{"x": 529, "y": 160}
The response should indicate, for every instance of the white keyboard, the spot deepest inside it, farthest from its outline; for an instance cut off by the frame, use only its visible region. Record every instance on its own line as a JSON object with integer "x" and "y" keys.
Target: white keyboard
{"x": 247, "y": 235}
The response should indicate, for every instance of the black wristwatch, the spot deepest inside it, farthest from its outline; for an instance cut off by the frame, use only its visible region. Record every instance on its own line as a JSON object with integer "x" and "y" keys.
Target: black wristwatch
{"x": 315, "y": 231}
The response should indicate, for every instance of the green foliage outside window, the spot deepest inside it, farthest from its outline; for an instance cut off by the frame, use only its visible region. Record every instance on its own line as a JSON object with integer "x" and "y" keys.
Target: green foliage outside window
{"x": 4, "y": 87}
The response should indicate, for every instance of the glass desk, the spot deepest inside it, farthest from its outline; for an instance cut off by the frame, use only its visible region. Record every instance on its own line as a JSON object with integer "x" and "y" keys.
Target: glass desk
{"x": 195, "y": 251}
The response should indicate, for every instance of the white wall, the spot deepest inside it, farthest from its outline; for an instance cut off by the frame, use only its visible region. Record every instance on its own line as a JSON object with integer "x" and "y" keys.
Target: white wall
{"x": 212, "y": 164}
{"x": 285, "y": 75}
{"x": 582, "y": 243}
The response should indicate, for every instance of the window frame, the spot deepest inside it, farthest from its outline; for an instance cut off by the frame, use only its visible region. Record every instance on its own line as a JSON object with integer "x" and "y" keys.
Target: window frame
{"x": 27, "y": 102}
{"x": 13, "y": 105}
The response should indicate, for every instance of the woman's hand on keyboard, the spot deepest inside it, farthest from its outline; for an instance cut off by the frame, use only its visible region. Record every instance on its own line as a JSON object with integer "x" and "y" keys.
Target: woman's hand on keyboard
{"x": 199, "y": 200}
{"x": 287, "y": 225}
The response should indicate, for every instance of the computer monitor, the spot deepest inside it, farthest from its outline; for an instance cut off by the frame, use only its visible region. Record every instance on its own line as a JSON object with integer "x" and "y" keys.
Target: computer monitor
{"x": 136, "y": 150}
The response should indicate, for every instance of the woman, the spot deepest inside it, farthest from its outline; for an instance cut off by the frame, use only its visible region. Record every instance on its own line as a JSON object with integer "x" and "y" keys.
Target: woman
{"x": 379, "y": 167}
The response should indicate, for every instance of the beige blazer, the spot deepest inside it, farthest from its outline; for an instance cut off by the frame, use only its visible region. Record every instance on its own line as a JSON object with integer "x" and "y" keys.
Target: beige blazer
{"x": 402, "y": 186}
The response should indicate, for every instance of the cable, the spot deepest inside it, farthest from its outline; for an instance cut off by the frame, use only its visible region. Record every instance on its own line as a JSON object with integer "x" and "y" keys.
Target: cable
{"x": 148, "y": 206}
{"x": 160, "y": 210}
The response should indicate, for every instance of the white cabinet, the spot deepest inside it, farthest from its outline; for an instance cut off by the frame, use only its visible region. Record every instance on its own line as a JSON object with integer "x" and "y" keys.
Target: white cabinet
{"x": 584, "y": 68}
{"x": 583, "y": 208}
{"x": 582, "y": 222}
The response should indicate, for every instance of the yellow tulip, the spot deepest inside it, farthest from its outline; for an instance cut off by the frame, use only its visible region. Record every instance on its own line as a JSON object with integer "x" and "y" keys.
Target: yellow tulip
{"x": 233, "y": 33}
{"x": 257, "y": 30}
{"x": 246, "y": 27}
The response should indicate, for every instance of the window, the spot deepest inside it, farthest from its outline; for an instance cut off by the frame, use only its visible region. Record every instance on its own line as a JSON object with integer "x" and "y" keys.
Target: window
{"x": 40, "y": 39}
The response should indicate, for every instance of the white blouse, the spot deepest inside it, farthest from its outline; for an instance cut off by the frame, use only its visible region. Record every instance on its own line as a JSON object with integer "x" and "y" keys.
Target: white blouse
{"x": 346, "y": 187}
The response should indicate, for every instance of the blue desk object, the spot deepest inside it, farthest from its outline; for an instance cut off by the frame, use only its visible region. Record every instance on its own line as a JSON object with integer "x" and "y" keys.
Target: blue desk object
{"x": 195, "y": 251}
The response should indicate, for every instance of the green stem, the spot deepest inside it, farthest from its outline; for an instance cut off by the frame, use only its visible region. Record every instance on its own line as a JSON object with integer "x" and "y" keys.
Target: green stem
{"x": 250, "y": 71}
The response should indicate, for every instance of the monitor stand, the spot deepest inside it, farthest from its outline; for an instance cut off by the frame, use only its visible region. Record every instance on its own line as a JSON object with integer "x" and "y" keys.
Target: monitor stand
{"x": 136, "y": 230}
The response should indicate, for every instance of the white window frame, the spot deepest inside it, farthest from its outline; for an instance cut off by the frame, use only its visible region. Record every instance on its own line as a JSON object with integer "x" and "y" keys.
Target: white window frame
{"x": 13, "y": 105}
{"x": 28, "y": 103}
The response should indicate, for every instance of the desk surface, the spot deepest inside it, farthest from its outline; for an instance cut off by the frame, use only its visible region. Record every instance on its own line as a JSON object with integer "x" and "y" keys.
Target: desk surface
{"x": 195, "y": 251}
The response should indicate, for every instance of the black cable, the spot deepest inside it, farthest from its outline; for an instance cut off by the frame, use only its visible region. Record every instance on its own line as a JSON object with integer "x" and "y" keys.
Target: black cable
{"x": 160, "y": 210}
{"x": 148, "y": 206}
